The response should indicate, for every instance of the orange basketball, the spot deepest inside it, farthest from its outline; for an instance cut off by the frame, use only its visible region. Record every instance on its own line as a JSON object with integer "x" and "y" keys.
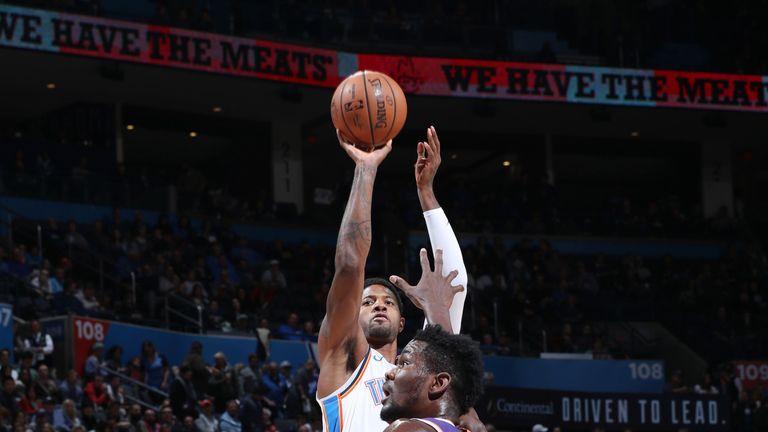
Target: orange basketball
{"x": 369, "y": 109}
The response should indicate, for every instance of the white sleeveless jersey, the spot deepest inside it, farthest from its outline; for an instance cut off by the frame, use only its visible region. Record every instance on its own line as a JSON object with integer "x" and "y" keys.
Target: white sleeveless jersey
{"x": 356, "y": 405}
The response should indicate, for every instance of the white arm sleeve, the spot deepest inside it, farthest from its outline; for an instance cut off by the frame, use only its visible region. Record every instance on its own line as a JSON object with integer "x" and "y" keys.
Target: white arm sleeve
{"x": 441, "y": 236}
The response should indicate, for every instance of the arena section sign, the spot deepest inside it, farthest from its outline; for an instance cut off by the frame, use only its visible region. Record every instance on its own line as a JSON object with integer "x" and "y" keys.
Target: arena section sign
{"x": 6, "y": 326}
{"x": 603, "y": 376}
{"x": 507, "y": 408}
{"x": 172, "y": 47}
{"x": 752, "y": 373}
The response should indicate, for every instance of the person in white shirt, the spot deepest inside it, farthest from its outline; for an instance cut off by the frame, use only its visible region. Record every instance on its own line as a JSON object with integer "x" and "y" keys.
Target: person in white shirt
{"x": 40, "y": 344}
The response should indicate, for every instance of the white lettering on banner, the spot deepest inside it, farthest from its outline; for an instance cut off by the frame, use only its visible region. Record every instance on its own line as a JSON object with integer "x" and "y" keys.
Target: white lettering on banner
{"x": 585, "y": 410}
{"x": 524, "y": 408}
{"x": 89, "y": 331}
{"x": 699, "y": 414}
{"x": 609, "y": 411}
{"x": 686, "y": 412}
{"x": 713, "y": 413}
{"x": 642, "y": 403}
{"x": 673, "y": 412}
{"x": 595, "y": 410}
{"x": 623, "y": 411}
{"x": 655, "y": 412}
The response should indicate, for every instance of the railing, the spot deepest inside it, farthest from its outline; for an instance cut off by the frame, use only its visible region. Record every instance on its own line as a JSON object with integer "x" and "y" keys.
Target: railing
{"x": 170, "y": 310}
{"x": 137, "y": 384}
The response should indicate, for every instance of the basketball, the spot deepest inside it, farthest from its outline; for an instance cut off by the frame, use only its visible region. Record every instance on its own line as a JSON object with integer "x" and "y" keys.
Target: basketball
{"x": 369, "y": 109}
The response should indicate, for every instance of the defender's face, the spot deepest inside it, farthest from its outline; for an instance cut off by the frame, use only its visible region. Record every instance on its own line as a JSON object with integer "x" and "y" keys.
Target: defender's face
{"x": 405, "y": 385}
{"x": 380, "y": 316}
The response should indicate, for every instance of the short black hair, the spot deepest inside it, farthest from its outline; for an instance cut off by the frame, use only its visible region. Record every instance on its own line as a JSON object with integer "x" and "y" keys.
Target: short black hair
{"x": 388, "y": 285}
{"x": 459, "y": 356}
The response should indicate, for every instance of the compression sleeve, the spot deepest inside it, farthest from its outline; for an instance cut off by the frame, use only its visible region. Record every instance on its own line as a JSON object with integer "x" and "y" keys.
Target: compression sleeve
{"x": 441, "y": 236}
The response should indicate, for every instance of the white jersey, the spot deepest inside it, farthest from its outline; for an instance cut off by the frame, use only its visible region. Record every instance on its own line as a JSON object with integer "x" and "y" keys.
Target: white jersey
{"x": 356, "y": 405}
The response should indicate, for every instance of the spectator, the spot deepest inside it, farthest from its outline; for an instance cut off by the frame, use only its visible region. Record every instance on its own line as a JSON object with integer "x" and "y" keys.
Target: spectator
{"x": 115, "y": 391}
{"x": 65, "y": 418}
{"x": 89, "y": 419}
{"x": 94, "y": 362}
{"x": 45, "y": 386}
{"x": 310, "y": 334}
{"x": 222, "y": 385}
{"x": 277, "y": 388}
{"x": 9, "y": 397}
{"x": 155, "y": 367}
{"x": 197, "y": 366}
{"x": 248, "y": 376}
{"x": 251, "y": 409}
{"x": 30, "y": 403}
{"x": 70, "y": 388}
{"x": 291, "y": 329}
{"x": 206, "y": 421}
{"x": 114, "y": 359}
{"x": 706, "y": 387}
{"x": 149, "y": 423}
{"x": 273, "y": 280}
{"x": 676, "y": 384}
{"x": 229, "y": 420}
{"x": 167, "y": 419}
{"x": 305, "y": 383}
{"x": 188, "y": 425}
{"x": 5, "y": 364}
{"x": 87, "y": 297}
{"x": 182, "y": 394}
{"x": 135, "y": 418}
{"x": 96, "y": 391}
{"x": 40, "y": 344}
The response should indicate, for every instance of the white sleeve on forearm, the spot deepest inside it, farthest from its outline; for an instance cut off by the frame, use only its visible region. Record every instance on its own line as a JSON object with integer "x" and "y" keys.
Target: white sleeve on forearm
{"x": 441, "y": 236}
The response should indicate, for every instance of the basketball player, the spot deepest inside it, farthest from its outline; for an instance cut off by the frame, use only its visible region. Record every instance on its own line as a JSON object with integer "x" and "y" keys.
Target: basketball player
{"x": 358, "y": 337}
{"x": 438, "y": 376}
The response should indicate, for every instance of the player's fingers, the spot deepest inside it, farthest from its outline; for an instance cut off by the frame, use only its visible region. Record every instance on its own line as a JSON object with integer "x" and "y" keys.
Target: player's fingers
{"x": 342, "y": 139}
{"x": 424, "y": 261}
{"x": 451, "y": 276}
{"x": 437, "y": 140}
{"x": 457, "y": 289}
{"x": 439, "y": 261}
{"x": 431, "y": 141}
{"x": 402, "y": 284}
{"x": 420, "y": 151}
{"x": 430, "y": 152}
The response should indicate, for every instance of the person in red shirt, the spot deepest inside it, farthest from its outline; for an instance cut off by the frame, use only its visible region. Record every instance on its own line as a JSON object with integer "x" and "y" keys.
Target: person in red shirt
{"x": 30, "y": 403}
{"x": 96, "y": 391}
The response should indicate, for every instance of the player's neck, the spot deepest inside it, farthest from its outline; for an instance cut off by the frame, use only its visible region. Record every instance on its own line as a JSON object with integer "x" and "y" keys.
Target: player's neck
{"x": 387, "y": 349}
{"x": 446, "y": 411}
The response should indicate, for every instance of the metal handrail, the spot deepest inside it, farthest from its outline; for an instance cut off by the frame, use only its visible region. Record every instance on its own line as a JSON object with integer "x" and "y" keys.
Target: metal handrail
{"x": 140, "y": 402}
{"x": 135, "y": 382}
{"x": 169, "y": 310}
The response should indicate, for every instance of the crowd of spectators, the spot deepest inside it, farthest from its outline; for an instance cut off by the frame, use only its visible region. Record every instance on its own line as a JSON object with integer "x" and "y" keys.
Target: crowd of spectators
{"x": 148, "y": 394}
{"x": 630, "y": 34}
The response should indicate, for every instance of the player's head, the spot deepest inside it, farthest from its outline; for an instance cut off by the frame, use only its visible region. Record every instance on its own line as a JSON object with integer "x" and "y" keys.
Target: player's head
{"x": 381, "y": 311}
{"x": 437, "y": 372}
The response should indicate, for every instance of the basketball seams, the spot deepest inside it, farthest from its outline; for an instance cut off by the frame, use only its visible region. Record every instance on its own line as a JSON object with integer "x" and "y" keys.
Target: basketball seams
{"x": 394, "y": 108}
{"x": 341, "y": 112}
{"x": 368, "y": 109}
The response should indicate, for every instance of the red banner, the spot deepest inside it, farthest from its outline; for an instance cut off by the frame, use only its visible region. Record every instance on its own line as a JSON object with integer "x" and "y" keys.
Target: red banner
{"x": 171, "y": 47}
{"x": 86, "y": 332}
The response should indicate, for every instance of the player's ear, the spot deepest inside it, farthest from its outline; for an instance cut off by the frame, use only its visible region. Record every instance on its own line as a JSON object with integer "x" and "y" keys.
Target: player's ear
{"x": 439, "y": 385}
{"x": 401, "y": 326}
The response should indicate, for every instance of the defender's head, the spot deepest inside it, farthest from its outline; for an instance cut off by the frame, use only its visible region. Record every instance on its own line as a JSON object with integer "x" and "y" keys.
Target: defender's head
{"x": 436, "y": 369}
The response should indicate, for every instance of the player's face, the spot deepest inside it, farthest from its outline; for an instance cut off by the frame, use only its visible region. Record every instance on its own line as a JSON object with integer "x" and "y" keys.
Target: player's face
{"x": 379, "y": 315}
{"x": 405, "y": 385}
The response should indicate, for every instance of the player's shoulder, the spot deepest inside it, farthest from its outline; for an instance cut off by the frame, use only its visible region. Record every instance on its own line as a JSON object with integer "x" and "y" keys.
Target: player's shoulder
{"x": 409, "y": 425}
